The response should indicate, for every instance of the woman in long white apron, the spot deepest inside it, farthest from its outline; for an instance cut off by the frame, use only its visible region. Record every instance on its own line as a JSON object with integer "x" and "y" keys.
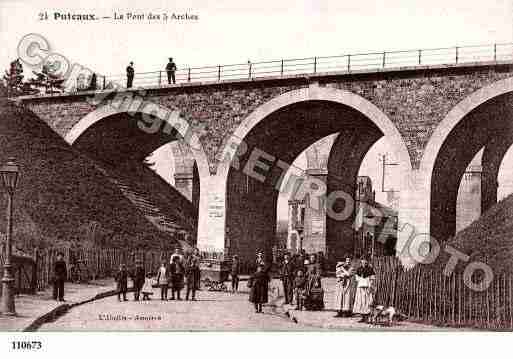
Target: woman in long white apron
{"x": 365, "y": 277}
{"x": 345, "y": 288}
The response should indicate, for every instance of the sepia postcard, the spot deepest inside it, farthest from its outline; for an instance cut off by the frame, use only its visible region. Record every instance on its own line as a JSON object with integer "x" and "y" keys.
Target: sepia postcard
{"x": 265, "y": 166}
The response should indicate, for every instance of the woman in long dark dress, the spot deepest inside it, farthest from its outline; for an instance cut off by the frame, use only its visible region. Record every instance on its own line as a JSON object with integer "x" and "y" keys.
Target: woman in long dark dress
{"x": 259, "y": 287}
{"x": 177, "y": 275}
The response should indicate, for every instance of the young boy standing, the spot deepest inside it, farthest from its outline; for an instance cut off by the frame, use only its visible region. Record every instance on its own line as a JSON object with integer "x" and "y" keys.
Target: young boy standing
{"x": 300, "y": 284}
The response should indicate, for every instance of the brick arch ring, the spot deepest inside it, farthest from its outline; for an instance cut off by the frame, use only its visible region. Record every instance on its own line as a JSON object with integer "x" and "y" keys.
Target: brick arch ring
{"x": 149, "y": 109}
{"x": 451, "y": 120}
{"x": 317, "y": 93}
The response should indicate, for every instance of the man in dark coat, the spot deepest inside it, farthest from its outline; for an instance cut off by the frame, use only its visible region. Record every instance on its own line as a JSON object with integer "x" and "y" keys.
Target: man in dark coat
{"x": 259, "y": 287}
{"x": 122, "y": 282}
{"x": 60, "y": 274}
{"x": 234, "y": 273}
{"x": 138, "y": 277}
{"x": 170, "y": 70}
{"x": 192, "y": 274}
{"x": 130, "y": 73}
{"x": 288, "y": 272}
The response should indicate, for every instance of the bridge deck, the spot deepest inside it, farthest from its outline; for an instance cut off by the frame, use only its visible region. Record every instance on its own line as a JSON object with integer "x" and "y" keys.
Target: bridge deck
{"x": 311, "y": 68}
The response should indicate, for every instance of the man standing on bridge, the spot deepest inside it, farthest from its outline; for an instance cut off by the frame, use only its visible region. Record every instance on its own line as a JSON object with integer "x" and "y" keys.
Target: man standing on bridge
{"x": 130, "y": 75}
{"x": 170, "y": 69}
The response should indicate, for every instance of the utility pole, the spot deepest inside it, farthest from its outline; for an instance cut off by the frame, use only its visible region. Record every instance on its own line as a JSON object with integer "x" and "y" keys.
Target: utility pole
{"x": 384, "y": 163}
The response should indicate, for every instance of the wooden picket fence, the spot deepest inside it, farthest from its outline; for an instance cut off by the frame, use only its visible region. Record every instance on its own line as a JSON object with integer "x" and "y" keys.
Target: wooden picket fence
{"x": 426, "y": 294}
{"x": 100, "y": 263}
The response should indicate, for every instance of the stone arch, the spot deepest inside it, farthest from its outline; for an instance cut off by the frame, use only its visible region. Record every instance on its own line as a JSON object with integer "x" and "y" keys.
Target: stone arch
{"x": 313, "y": 93}
{"x": 200, "y": 167}
{"x": 454, "y": 119}
{"x": 151, "y": 110}
{"x": 455, "y": 115}
{"x": 300, "y": 97}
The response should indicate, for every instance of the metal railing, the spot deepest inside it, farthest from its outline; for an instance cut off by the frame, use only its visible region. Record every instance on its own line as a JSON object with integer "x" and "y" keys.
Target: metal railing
{"x": 373, "y": 61}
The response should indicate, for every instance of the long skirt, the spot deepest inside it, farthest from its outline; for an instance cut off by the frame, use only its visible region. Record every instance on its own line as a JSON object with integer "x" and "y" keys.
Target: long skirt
{"x": 363, "y": 300}
{"x": 344, "y": 295}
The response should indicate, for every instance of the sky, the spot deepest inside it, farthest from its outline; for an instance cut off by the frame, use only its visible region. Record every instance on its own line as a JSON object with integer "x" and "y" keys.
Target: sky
{"x": 235, "y": 31}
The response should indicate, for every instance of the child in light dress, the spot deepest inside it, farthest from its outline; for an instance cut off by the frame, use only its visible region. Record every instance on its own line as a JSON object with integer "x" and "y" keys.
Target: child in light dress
{"x": 147, "y": 289}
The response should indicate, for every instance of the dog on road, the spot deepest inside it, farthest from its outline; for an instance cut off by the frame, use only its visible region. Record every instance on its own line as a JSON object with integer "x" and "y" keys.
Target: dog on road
{"x": 386, "y": 315}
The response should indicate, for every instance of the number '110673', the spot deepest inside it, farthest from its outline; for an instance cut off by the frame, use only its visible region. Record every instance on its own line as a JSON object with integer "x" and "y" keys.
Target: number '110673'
{"x": 26, "y": 345}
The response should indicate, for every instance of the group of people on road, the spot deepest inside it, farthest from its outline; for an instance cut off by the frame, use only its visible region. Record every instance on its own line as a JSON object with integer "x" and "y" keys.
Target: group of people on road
{"x": 181, "y": 271}
{"x": 300, "y": 275}
{"x": 170, "y": 71}
{"x": 355, "y": 288}
{"x": 301, "y": 279}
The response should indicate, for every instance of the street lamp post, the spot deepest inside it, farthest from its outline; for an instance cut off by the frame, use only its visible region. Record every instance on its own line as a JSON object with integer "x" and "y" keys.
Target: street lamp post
{"x": 9, "y": 173}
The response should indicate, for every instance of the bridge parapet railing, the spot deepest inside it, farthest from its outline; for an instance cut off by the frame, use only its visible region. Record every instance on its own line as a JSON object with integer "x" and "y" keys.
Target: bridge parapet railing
{"x": 372, "y": 61}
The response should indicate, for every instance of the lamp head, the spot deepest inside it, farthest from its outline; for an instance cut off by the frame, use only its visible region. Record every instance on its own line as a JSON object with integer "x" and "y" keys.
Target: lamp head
{"x": 9, "y": 173}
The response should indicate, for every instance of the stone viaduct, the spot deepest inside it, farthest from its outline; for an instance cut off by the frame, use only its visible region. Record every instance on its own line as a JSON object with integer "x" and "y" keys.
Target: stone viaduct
{"x": 240, "y": 137}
